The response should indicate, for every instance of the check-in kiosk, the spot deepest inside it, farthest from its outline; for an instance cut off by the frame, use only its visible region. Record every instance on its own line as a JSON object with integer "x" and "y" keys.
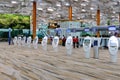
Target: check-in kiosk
{"x": 44, "y": 43}
{"x": 68, "y": 44}
{"x": 87, "y": 46}
{"x": 113, "y": 48}
{"x": 96, "y": 48}
{"x": 55, "y": 43}
{"x": 35, "y": 42}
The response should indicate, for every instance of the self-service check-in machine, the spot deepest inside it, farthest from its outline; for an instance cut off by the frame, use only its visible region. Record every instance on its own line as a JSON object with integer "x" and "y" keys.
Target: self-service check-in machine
{"x": 55, "y": 43}
{"x": 96, "y": 48}
{"x": 35, "y": 42}
{"x": 113, "y": 48}
{"x": 68, "y": 45}
{"x": 44, "y": 43}
{"x": 87, "y": 46}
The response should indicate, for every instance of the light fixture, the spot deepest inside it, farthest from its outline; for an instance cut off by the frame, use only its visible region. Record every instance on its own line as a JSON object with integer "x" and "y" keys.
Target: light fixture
{"x": 58, "y": 15}
{"x": 50, "y": 9}
{"x": 114, "y": 12}
{"x": 83, "y": 10}
{"x": 58, "y": 5}
{"x": 76, "y": 0}
{"x": 67, "y": 4}
{"x": 40, "y": 9}
{"x": 83, "y": 4}
{"x": 91, "y": 8}
{"x": 14, "y": 2}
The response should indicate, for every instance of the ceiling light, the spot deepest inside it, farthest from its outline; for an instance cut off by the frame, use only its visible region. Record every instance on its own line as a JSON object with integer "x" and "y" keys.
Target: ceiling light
{"x": 83, "y": 10}
{"x": 67, "y": 4}
{"x": 58, "y": 15}
{"x": 114, "y": 12}
{"x": 83, "y": 4}
{"x": 91, "y": 8}
{"x": 50, "y": 9}
{"x": 40, "y": 9}
{"x": 58, "y": 5}
{"x": 75, "y": 0}
{"x": 14, "y": 2}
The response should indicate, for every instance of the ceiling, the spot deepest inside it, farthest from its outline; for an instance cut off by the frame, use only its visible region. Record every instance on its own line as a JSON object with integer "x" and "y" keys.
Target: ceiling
{"x": 58, "y": 9}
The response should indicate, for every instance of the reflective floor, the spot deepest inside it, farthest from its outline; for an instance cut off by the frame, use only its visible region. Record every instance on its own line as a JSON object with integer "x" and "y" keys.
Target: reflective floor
{"x": 23, "y": 63}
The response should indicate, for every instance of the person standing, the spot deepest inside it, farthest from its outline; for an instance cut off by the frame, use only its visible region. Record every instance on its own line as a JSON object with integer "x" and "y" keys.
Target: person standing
{"x": 63, "y": 40}
{"x": 74, "y": 41}
{"x": 77, "y": 42}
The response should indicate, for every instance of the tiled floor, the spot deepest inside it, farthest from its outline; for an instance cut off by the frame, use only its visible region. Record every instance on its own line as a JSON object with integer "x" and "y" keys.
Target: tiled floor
{"x": 23, "y": 63}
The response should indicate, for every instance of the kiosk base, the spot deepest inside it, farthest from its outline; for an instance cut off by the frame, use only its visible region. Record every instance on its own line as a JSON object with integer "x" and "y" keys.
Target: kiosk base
{"x": 113, "y": 58}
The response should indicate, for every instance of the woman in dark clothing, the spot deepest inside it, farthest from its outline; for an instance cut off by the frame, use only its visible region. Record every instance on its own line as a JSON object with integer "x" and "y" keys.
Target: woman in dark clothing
{"x": 77, "y": 42}
{"x": 74, "y": 41}
{"x": 63, "y": 40}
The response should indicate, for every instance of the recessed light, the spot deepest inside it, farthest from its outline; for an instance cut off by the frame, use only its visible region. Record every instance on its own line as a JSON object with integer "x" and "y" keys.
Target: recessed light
{"x": 14, "y": 2}
{"x": 91, "y": 8}
{"x": 83, "y": 4}
{"x": 67, "y": 4}
{"x": 40, "y": 9}
{"x": 50, "y": 9}
{"x": 83, "y": 10}
{"x": 75, "y": 0}
{"x": 58, "y": 4}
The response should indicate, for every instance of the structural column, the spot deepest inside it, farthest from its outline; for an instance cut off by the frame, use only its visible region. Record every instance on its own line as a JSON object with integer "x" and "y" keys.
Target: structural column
{"x": 70, "y": 13}
{"x": 98, "y": 21}
{"x": 34, "y": 19}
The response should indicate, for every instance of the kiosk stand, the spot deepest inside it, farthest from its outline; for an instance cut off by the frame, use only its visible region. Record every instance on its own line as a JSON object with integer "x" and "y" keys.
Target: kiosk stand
{"x": 44, "y": 43}
{"x": 87, "y": 46}
{"x": 96, "y": 49}
{"x": 113, "y": 48}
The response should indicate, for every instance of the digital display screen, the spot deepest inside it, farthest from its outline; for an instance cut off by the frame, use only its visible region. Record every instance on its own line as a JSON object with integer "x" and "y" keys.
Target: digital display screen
{"x": 111, "y": 28}
{"x": 87, "y": 42}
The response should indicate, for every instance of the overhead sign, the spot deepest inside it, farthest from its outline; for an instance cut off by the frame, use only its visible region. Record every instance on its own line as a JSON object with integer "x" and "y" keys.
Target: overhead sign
{"x": 86, "y": 29}
{"x": 68, "y": 30}
{"x": 112, "y": 28}
{"x": 73, "y": 30}
{"x": 94, "y": 29}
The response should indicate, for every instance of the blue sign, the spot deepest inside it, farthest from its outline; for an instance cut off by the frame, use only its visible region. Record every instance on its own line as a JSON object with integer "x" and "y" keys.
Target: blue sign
{"x": 94, "y": 29}
{"x": 86, "y": 29}
{"x": 68, "y": 30}
{"x": 112, "y": 28}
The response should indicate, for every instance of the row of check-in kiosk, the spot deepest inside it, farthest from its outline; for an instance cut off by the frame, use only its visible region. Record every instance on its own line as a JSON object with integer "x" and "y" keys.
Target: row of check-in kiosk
{"x": 103, "y": 42}
{"x": 112, "y": 43}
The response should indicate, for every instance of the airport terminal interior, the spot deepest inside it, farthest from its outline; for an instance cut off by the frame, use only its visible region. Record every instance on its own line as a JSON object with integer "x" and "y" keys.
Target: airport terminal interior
{"x": 59, "y": 39}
